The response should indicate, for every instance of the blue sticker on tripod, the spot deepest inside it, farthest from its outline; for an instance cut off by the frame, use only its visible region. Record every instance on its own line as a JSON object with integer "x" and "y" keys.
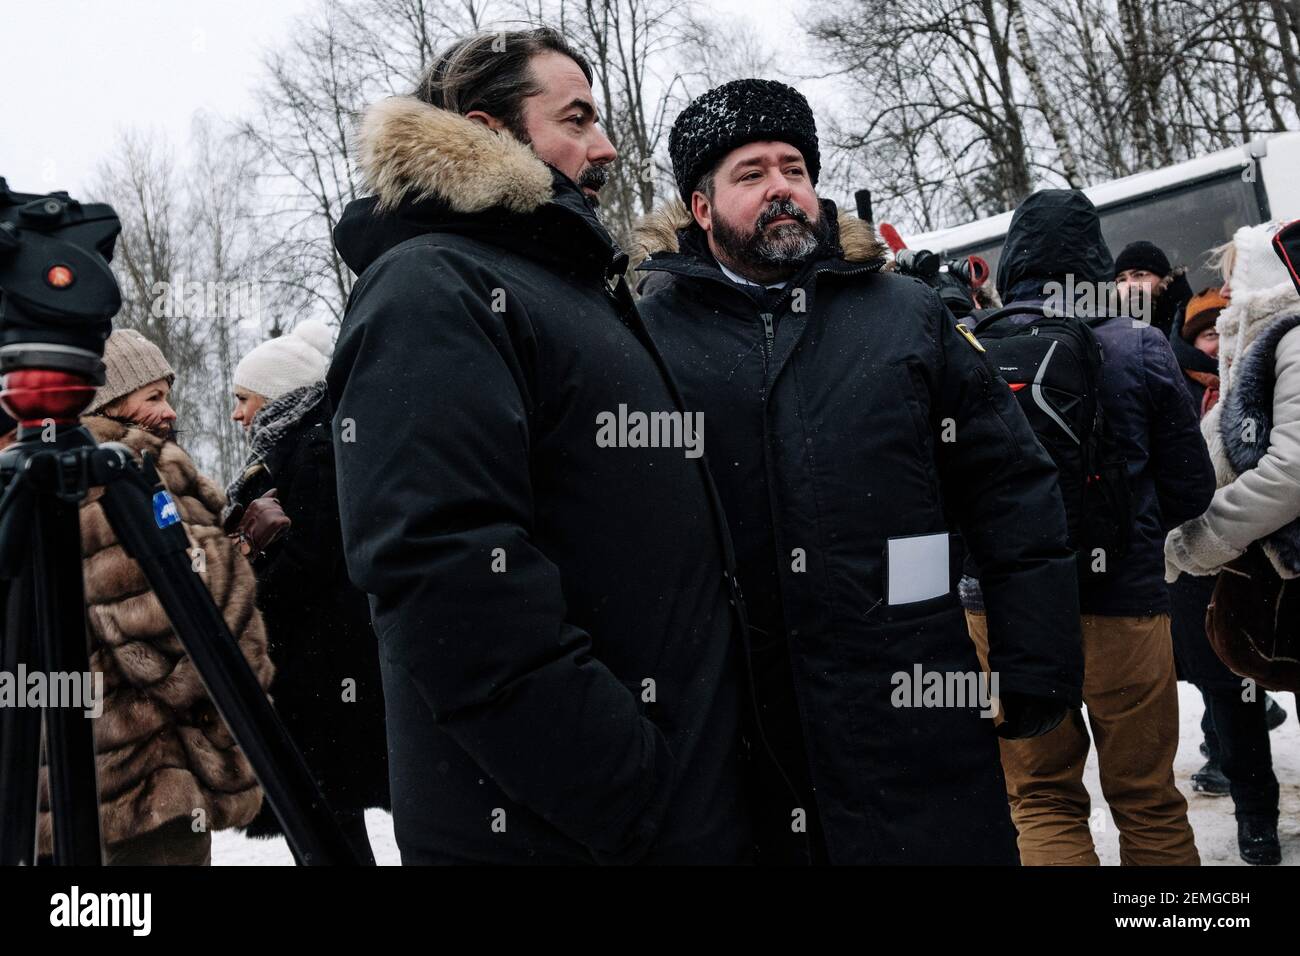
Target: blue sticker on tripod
{"x": 165, "y": 512}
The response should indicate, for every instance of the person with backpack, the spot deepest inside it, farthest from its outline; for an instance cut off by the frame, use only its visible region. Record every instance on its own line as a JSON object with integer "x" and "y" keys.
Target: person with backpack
{"x": 853, "y": 425}
{"x": 1107, "y": 400}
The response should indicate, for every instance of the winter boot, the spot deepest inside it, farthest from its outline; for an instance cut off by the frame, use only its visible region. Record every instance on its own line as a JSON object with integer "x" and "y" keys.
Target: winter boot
{"x": 1257, "y": 841}
{"x": 1210, "y": 780}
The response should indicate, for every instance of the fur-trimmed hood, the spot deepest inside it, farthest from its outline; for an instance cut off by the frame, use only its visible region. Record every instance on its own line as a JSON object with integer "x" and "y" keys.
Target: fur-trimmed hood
{"x": 405, "y": 147}
{"x": 659, "y": 233}
{"x": 1252, "y": 433}
{"x": 1262, "y": 291}
{"x": 434, "y": 171}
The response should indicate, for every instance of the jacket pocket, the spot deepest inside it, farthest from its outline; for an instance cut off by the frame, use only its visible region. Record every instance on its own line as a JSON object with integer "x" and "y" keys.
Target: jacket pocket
{"x": 914, "y": 394}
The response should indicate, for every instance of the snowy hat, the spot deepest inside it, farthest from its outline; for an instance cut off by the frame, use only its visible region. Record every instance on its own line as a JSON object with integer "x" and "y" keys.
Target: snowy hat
{"x": 299, "y": 357}
{"x": 736, "y": 113}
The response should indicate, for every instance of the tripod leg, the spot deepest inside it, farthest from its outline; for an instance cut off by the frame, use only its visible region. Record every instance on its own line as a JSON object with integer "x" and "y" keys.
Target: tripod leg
{"x": 70, "y": 743}
{"x": 308, "y": 823}
{"x": 20, "y": 729}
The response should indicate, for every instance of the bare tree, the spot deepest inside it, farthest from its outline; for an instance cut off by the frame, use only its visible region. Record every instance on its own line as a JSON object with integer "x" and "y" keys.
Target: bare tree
{"x": 967, "y": 120}
{"x": 151, "y": 261}
{"x": 222, "y": 225}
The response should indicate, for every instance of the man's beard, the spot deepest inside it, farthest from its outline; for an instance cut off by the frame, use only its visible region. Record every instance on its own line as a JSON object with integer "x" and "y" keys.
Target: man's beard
{"x": 767, "y": 254}
{"x": 593, "y": 177}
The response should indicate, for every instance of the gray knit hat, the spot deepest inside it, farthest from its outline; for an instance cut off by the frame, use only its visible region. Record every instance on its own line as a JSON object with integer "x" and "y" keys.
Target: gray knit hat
{"x": 131, "y": 361}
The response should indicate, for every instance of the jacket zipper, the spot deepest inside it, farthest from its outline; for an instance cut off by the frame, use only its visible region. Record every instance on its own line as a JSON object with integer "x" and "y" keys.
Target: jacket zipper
{"x": 769, "y": 333}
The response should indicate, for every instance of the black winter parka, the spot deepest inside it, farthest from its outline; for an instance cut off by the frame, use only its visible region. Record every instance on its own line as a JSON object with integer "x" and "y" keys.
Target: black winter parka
{"x": 872, "y": 418}
{"x": 553, "y": 612}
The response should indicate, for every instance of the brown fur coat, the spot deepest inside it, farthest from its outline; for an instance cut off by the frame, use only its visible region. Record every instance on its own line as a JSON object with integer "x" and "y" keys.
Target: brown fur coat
{"x": 162, "y": 751}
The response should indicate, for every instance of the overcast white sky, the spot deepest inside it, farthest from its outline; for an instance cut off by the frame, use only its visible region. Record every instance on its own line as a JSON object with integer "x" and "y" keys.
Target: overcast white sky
{"x": 103, "y": 66}
{"x": 78, "y": 71}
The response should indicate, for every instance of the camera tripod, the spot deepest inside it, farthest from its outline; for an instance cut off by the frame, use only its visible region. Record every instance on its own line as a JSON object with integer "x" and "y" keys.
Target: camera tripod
{"x": 57, "y": 299}
{"x": 40, "y": 555}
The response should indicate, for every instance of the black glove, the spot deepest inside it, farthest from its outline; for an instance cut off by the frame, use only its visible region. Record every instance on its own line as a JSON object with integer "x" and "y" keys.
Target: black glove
{"x": 1025, "y": 715}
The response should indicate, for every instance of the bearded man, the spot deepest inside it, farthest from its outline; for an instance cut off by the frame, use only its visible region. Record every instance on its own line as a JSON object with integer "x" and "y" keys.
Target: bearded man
{"x": 852, "y": 424}
{"x": 557, "y": 653}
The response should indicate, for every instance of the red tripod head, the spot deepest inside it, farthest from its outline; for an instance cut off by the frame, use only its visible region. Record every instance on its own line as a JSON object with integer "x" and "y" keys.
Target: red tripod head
{"x": 35, "y": 396}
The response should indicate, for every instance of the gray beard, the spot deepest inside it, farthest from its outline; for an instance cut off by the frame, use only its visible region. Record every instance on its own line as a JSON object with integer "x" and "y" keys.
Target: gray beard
{"x": 768, "y": 254}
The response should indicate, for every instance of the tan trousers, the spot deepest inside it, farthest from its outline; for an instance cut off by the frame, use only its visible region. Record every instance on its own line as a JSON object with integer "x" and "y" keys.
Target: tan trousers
{"x": 1131, "y": 695}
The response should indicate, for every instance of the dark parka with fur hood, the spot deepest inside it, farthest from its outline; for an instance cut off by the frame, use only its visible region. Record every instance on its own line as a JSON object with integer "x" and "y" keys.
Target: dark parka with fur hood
{"x": 827, "y": 422}
{"x": 162, "y": 752}
{"x": 555, "y": 636}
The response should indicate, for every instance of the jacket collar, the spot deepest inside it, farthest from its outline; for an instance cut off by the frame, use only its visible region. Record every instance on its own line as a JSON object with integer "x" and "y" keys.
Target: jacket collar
{"x": 432, "y": 170}
{"x": 668, "y": 240}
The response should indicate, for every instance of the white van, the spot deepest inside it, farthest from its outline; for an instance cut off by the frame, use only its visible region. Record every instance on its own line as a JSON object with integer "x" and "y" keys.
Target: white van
{"x": 1185, "y": 209}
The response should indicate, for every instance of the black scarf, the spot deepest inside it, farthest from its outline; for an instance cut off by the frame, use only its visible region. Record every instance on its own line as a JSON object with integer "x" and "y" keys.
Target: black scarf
{"x": 269, "y": 426}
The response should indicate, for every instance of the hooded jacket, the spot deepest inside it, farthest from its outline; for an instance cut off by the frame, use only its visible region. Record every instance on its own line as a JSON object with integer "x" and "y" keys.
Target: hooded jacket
{"x": 1253, "y": 432}
{"x": 1055, "y": 236}
{"x": 549, "y": 591}
{"x": 162, "y": 752}
{"x": 827, "y": 406}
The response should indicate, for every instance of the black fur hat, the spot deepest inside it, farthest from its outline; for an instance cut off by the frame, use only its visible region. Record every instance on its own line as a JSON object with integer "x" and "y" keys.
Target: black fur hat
{"x": 736, "y": 113}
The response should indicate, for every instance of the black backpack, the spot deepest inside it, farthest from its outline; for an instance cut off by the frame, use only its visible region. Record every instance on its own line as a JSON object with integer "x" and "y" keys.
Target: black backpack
{"x": 1053, "y": 365}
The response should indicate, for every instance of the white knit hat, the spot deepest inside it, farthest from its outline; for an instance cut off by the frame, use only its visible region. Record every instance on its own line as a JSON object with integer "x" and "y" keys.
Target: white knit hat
{"x": 299, "y": 357}
{"x": 1258, "y": 269}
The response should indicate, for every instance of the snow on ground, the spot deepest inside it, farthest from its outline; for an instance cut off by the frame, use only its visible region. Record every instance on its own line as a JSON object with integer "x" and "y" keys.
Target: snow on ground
{"x": 231, "y": 848}
{"x": 1212, "y": 819}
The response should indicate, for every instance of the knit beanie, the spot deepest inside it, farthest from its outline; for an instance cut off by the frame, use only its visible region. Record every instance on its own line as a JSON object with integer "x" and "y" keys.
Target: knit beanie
{"x": 736, "y": 113}
{"x": 131, "y": 361}
{"x": 1257, "y": 269}
{"x": 1143, "y": 255}
{"x": 1202, "y": 312}
{"x": 299, "y": 357}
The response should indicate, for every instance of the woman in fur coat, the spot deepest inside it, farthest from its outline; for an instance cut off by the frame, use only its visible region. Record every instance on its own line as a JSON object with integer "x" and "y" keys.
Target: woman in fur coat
{"x": 169, "y": 771}
{"x": 1253, "y": 433}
